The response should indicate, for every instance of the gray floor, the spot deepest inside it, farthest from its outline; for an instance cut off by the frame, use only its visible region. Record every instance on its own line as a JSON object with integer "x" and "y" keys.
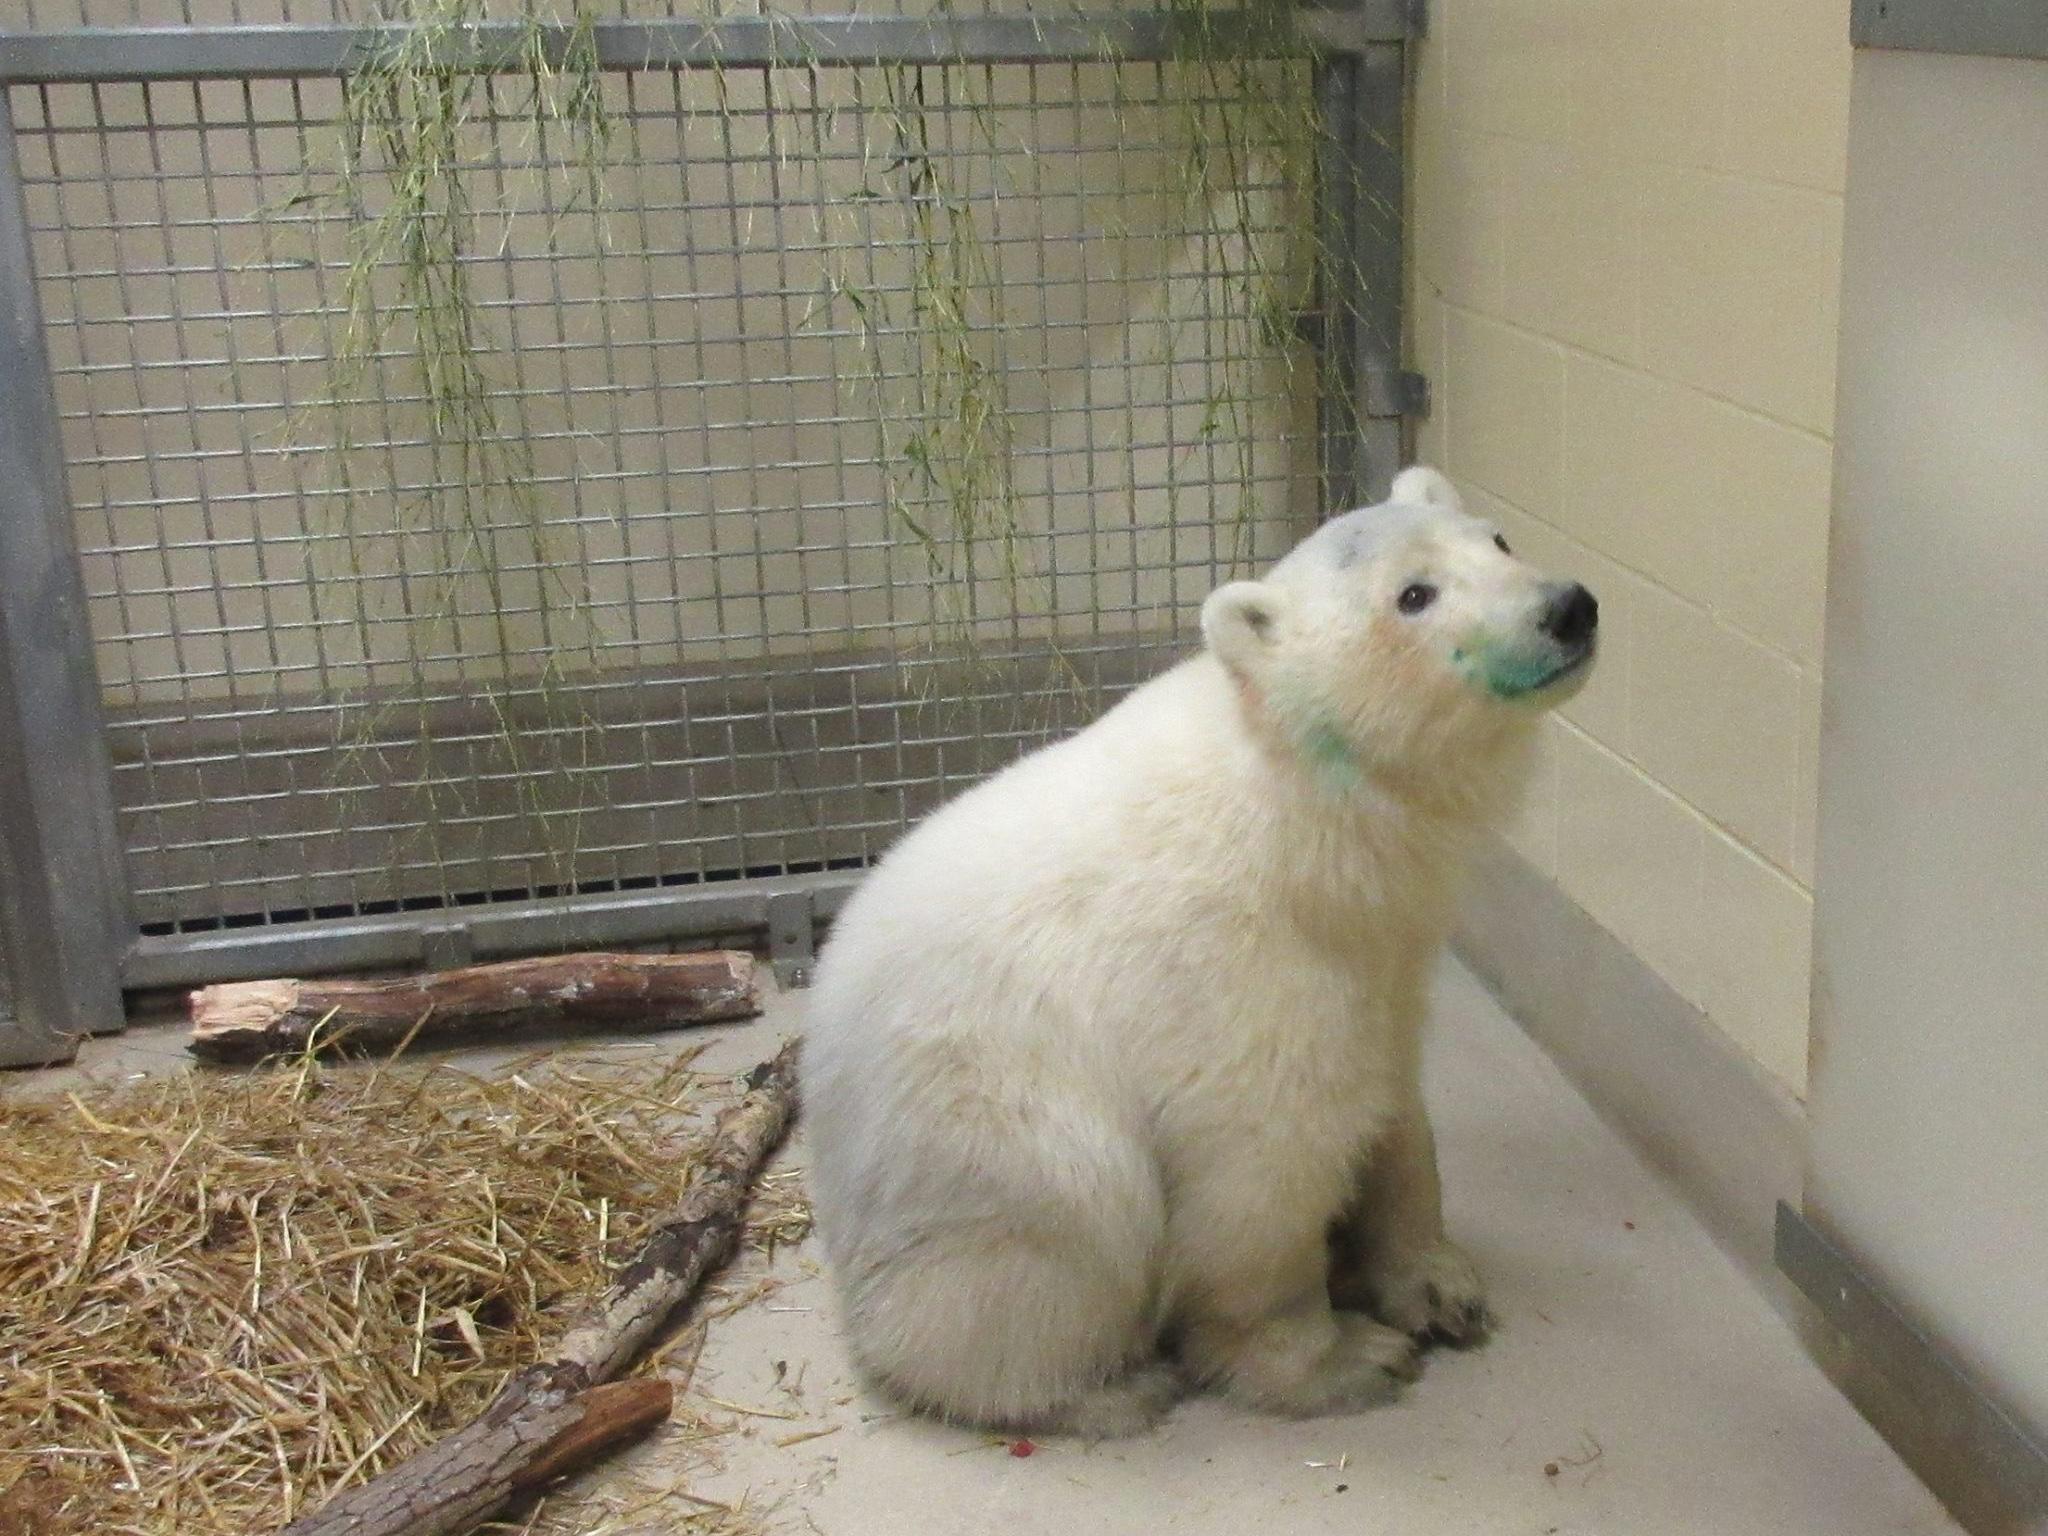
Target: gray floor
{"x": 1638, "y": 1385}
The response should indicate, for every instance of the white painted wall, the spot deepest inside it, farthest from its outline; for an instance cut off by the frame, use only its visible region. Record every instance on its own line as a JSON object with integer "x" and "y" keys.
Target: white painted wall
{"x": 1930, "y": 1088}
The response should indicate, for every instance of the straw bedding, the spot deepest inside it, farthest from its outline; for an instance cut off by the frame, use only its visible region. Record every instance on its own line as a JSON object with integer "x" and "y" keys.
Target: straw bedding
{"x": 222, "y": 1297}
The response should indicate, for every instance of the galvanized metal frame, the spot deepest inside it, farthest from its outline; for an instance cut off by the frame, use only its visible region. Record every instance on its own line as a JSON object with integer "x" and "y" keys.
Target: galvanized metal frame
{"x": 1367, "y": 394}
{"x": 2016, "y": 29}
{"x": 75, "y": 985}
{"x": 63, "y": 904}
{"x": 783, "y": 908}
{"x": 89, "y": 54}
{"x": 1990, "y": 1468}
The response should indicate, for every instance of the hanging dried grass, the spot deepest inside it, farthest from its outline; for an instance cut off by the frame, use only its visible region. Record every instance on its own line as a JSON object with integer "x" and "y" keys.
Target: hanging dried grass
{"x": 222, "y": 1298}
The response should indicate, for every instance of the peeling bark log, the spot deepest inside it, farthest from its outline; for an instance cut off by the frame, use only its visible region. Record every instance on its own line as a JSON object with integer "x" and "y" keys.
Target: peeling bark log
{"x": 697, "y": 1234}
{"x": 607, "y": 1415}
{"x": 248, "y": 1020}
{"x": 552, "y": 1414}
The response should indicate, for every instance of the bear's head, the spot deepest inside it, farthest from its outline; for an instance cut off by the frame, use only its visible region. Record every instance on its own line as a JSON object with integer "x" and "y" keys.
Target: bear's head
{"x": 1405, "y": 642}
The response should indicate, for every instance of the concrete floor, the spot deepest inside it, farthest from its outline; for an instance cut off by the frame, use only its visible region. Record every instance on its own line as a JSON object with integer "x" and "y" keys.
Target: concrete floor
{"x": 1637, "y": 1384}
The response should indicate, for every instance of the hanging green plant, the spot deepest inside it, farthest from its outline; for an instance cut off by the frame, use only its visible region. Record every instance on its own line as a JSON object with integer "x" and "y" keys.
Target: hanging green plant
{"x": 492, "y": 600}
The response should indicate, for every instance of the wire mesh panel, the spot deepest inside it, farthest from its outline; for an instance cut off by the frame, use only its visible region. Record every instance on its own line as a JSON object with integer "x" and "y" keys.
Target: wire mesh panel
{"x": 693, "y": 482}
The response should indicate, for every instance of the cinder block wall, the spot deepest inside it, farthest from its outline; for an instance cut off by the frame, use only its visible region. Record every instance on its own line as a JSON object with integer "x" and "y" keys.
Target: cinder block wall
{"x": 1628, "y": 225}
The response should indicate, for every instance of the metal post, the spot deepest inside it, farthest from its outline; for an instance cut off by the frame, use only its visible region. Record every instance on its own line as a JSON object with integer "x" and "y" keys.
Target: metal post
{"x": 1339, "y": 406}
{"x": 1389, "y": 393}
{"x": 63, "y": 893}
{"x": 1366, "y": 393}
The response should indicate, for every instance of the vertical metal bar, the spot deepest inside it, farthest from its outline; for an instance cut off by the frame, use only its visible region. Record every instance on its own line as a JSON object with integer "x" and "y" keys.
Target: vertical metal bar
{"x": 63, "y": 891}
{"x": 1379, "y": 107}
{"x": 1361, "y": 99}
{"x": 1339, "y": 404}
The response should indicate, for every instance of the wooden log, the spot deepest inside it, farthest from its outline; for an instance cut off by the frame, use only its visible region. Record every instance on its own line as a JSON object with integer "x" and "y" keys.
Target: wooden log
{"x": 698, "y": 1232}
{"x": 607, "y": 1415}
{"x": 248, "y": 1020}
{"x": 549, "y": 1415}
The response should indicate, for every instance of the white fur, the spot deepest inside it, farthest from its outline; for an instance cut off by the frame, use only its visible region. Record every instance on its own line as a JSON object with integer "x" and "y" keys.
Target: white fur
{"x": 1426, "y": 486}
{"x": 1101, "y": 1051}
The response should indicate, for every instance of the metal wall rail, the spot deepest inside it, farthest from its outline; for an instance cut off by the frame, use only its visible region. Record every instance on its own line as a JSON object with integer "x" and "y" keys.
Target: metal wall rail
{"x": 68, "y": 939}
{"x": 786, "y": 909}
{"x": 96, "y": 54}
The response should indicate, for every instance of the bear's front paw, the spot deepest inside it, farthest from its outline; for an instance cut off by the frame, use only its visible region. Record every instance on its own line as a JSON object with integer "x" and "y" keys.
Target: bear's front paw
{"x": 1432, "y": 1294}
{"x": 1361, "y": 1365}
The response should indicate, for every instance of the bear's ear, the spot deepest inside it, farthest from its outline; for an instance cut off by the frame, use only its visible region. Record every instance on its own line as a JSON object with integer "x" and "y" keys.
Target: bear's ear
{"x": 1242, "y": 620}
{"x": 1420, "y": 485}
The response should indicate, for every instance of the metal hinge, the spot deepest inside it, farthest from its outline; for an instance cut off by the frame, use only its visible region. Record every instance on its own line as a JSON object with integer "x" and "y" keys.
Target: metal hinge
{"x": 1396, "y": 392}
{"x": 1386, "y": 391}
{"x": 792, "y": 941}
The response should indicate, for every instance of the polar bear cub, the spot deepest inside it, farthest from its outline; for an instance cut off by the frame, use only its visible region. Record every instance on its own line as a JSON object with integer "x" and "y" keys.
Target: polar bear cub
{"x": 1115, "y": 1058}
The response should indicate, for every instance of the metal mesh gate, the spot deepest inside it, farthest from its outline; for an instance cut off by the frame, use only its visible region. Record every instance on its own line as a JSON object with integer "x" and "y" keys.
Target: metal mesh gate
{"x": 687, "y": 624}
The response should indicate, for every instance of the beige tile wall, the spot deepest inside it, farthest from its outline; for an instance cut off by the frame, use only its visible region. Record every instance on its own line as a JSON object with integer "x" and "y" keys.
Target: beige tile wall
{"x": 1628, "y": 222}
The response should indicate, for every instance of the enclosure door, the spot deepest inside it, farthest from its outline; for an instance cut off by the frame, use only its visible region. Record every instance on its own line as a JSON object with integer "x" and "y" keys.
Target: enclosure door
{"x": 1930, "y": 1098}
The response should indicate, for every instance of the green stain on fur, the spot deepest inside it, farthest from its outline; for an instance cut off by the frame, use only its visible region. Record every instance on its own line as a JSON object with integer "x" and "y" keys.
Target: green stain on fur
{"x": 1330, "y": 754}
{"x": 1505, "y": 671}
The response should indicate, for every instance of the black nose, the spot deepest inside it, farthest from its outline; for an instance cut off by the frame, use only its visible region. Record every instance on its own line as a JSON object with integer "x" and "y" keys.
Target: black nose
{"x": 1572, "y": 616}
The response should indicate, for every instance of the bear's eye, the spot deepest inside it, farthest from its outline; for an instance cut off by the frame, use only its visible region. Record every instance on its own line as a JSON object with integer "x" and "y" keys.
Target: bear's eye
{"x": 1501, "y": 544}
{"x": 1415, "y": 597}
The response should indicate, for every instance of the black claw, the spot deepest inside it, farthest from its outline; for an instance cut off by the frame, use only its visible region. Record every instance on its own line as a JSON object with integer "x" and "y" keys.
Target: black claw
{"x": 1474, "y": 1322}
{"x": 1460, "y": 1326}
{"x": 1433, "y": 1296}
